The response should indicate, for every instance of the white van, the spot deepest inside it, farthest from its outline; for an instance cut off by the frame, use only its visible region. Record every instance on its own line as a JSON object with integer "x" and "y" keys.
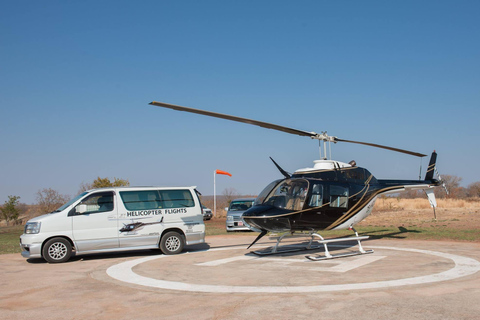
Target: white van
{"x": 117, "y": 219}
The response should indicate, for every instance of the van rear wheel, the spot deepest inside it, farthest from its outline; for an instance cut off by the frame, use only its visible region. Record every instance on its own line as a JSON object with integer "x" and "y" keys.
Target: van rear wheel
{"x": 57, "y": 250}
{"x": 172, "y": 243}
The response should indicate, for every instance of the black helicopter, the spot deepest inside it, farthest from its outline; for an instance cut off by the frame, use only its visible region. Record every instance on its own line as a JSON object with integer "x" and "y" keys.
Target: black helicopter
{"x": 332, "y": 195}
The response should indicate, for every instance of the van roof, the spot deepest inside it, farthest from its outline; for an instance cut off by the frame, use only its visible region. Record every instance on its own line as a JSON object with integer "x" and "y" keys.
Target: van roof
{"x": 141, "y": 188}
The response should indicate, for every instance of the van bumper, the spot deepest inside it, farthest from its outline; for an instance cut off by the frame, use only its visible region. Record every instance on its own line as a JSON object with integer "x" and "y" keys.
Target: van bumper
{"x": 194, "y": 238}
{"x": 30, "y": 247}
{"x": 31, "y": 250}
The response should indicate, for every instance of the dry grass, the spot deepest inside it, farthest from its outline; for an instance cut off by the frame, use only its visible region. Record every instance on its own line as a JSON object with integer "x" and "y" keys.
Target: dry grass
{"x": 394, "y": 204}
{"x": 456, "y": 219}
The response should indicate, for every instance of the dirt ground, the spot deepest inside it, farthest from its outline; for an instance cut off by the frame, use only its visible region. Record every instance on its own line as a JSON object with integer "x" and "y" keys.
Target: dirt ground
{"x": 82, "y": 289}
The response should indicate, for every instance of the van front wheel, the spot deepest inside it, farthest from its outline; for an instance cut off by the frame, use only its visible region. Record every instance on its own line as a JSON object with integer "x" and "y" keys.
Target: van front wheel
{"x": 57, "y": 250}
{"x": 172, "y": 243}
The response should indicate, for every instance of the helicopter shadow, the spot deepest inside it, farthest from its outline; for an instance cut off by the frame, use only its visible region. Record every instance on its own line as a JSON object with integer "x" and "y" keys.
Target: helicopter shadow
{"x": 346, "y": 244}
{"x": 400, "y": 234}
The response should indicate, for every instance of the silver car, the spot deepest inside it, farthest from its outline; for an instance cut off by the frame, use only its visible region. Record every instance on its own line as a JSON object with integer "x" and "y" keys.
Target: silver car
{"x": 234, "y": 214}
{"x": 207, "y": 213}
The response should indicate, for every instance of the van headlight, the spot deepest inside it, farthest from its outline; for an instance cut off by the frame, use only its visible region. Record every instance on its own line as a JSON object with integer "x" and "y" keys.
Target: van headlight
{"x": 229, "y": 218}
{"x": 32, "y": 227}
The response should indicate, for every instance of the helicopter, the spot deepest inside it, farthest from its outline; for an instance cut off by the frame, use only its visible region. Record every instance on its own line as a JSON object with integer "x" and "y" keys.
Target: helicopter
{"x": 333, "y": 195}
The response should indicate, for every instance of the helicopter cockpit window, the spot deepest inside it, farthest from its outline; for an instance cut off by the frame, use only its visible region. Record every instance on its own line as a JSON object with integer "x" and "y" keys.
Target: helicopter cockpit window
{"x": 338, "y": 197}
{"x": 289, "y": 195}
{"x": 261, "y": 197}
{"x": 316, "y": 199}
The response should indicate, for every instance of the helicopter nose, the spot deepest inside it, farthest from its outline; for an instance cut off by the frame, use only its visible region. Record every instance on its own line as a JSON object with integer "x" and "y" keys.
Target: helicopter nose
{"x": 267, "y": 218}
{"x": 257, "y": 211}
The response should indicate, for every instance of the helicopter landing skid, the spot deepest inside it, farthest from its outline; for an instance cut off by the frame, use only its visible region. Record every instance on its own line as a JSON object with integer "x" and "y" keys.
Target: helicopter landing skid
{"x": 287, "y": 248}
{"x": 328, "y": 255}
{"x": 310, "y": 246}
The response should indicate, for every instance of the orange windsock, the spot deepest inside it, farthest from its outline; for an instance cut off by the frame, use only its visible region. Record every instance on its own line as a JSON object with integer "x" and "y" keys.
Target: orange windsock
{"x": 222, "y": 172}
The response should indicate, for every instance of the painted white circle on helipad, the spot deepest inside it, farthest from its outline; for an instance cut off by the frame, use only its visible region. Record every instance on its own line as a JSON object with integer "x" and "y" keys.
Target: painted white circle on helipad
{"x": 124, "y": 272}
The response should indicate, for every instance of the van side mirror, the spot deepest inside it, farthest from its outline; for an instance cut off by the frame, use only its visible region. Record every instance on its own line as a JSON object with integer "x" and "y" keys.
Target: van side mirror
{"x": 81, "y": 208}
{"x": 226, "y": 209}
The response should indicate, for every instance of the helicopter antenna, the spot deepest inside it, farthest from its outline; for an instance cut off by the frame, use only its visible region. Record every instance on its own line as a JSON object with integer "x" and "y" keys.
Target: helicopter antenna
{"x": 325, "y": 146}
{"x": 420, "y": 173}
{"x": 285, "y": 173}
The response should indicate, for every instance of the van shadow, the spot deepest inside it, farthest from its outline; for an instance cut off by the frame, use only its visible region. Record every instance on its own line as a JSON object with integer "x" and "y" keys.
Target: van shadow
{"x": 122, "y": 254}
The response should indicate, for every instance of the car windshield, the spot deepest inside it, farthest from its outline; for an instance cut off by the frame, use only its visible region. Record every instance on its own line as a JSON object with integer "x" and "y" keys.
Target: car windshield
{"x": 66, "y": 205}
{"x": 240, "y": 205}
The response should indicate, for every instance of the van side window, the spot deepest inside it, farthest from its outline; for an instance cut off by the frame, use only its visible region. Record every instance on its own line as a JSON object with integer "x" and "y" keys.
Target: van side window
{"x": 141, "y": 200}
{"x": 156, "y": 199}
{"x": 338, "y": 197}
{"x": 96, "y": 203}
{"x": 176, "y": 199}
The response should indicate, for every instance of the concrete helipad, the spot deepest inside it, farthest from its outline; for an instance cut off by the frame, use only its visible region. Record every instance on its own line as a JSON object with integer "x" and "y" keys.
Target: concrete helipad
{"x": 221, "y": 279}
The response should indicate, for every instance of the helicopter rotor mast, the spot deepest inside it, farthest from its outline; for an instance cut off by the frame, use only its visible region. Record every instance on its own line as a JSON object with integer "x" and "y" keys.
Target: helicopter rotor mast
{"x": 322, "y": 137}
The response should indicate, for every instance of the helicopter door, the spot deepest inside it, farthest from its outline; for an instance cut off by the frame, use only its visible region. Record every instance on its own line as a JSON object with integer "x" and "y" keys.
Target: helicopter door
{"x": 316, "y": 199}
{"x": 339, "y": 197}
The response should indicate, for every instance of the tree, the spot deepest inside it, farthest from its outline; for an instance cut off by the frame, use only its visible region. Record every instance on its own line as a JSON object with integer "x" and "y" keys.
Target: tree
{"x": 49, "y": 200}
{"x": 452, "y": 183}
{"x": 9, "y": 211}
{"x": 104, "y": 183}
{"x": 474, "y": 189}
{"x": 230, "y": 194}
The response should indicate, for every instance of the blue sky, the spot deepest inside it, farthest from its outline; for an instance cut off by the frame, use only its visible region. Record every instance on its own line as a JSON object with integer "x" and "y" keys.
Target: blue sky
{"x": 76, "y": 79}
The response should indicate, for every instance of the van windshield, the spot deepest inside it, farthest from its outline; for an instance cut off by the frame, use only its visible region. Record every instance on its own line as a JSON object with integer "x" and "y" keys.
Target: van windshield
{"x": 66, "y": 205}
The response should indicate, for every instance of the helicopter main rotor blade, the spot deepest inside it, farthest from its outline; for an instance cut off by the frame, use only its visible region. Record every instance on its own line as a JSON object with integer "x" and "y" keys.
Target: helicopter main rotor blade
{"x": 322, "y": 136}
{"x": 383, "y": 147}
{"x": 237, "y": 119}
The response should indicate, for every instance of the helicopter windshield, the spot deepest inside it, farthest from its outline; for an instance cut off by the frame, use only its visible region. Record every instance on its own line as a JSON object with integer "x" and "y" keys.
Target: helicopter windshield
{"x": 290, "y": 195}
{"x": 261, "y": 197}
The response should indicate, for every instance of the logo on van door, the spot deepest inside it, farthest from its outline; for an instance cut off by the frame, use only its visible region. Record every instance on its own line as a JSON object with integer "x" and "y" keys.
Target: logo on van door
{"x": 137, "y": 226}
{"x": 146, "y": 213}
